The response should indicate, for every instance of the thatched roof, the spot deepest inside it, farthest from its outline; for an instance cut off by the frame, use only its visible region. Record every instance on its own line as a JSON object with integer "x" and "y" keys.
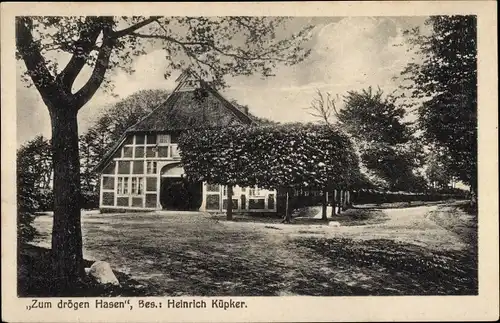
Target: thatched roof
{"x": 199, "y": 108}
{"x": 186, "y": 108}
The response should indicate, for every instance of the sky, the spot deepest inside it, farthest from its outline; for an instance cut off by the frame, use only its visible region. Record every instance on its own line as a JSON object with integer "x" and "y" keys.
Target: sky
{"x": 347, "y": 54}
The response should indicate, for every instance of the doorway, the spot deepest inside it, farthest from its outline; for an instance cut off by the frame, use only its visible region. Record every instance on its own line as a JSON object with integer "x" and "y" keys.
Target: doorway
{"x": 178, "y": 193}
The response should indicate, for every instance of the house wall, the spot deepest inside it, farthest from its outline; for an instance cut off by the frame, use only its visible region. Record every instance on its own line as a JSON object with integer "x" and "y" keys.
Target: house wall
{"x": 131, "y": 181}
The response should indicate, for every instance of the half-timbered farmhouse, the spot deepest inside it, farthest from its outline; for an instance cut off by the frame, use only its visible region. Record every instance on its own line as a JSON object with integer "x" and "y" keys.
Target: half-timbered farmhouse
{"x": 143, "y": 169}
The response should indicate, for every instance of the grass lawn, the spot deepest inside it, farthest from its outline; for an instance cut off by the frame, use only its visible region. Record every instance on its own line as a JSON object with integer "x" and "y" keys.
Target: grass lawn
{"x": 426, "y": 250}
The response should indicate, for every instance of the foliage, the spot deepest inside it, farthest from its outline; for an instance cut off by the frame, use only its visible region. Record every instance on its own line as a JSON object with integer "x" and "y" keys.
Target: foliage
{"x": 385, "y": 141}
{"x": 213, "y": 46}
{"x": 370, "y": 117}
{"x": 444, "y": 87}
{"x": 33, "y": 174}
{"x": 282, "y": 156}
{"x": 34, "y": 159}
{"x": 438, "y": 171}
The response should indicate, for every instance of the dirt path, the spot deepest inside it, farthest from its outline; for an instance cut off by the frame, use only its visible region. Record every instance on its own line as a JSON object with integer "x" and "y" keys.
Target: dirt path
{"x": 196, "y": 254}
{"x": 412, "y": 225}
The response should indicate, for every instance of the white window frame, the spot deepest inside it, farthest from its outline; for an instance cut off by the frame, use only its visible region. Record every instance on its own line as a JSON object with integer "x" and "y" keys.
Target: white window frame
{"x": 151, "y": 167}
{"x": 137, "y": 185}
{"x": 255, "y": 192}
{"x": 122, "y": 186}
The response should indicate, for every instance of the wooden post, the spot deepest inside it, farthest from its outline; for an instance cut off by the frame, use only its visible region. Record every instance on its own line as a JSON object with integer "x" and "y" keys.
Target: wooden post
{"x": 334, "y": 203}
{"x": 229, "y": 210}
{"x": 287, "y": 213}
{"x": 344, "y": 200}
{"x": 324, "y": 205}
{"x": 340, "y": 201}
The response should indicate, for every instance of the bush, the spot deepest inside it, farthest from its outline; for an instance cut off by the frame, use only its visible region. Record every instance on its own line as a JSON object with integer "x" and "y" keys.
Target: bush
{"x": 25, "y": 230}
{"x": 27, "y": 204}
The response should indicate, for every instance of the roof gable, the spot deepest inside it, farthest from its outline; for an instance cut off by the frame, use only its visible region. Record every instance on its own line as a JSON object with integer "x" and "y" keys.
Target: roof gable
{"x": 194, "y": 104}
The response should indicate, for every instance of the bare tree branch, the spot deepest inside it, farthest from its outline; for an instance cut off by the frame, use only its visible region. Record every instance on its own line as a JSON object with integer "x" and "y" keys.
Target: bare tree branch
{"x": 131, "y": 29}
{"x": 82, "y": 49}
{"x": 243, "y": 56}
{"x": 36, "y": 64}
{"x": 100, "y": 68}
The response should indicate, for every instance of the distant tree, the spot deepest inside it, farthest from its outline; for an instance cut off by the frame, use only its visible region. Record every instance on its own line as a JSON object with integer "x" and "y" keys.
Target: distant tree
{"x": 34, "y": 170}
{"x": 443, "y": 85}
{"x": 215, "y": 46}
{"x": 438, "y": 171}
{"x": 107, "y": 130}
{"x": 384, "y": 142}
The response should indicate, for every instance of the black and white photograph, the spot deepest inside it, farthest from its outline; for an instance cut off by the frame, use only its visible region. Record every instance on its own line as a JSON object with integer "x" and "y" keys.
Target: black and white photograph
{"x": 221, "y": 156}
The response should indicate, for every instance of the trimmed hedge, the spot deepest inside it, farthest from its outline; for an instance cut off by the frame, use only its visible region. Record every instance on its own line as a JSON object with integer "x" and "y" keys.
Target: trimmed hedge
{"x": 278, "y": 156}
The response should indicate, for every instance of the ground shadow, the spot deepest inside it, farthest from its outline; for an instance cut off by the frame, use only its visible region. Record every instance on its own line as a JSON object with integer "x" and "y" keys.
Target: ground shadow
{"x": 35, "y": 279}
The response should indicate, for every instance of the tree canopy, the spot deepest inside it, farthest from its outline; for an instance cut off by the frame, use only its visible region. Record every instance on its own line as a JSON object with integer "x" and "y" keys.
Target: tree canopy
{"x": 384, "y": 141}
{"x": 290, "y": 155}
{"x": 443, "y": 86}
{"x": 284, "y": 156}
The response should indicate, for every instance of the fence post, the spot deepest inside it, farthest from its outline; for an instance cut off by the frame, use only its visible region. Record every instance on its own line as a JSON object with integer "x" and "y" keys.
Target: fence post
{"x": 334, "y": 203}
{"x": 324, "y": 203}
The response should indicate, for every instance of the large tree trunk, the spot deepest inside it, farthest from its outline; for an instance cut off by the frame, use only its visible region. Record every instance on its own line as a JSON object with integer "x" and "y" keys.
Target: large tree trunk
{"x": 229, "y": 210}
{"x": 66, "y": 231}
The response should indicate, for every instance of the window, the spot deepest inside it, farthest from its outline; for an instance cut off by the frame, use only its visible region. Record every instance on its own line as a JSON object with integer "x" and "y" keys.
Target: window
{"x": 254, "y": 191}
{"x": 151, "y": 184}
{"x": 163, "y": 139}
{"x": 150, "y": 200}
{"x": 151, "y": 152}
{"x": 212, "y": 188}
{"x": 110, "y": 169}
{"x": 163, "y": 151}
{"x": 122, "y": 187}
{"x": 151, "y": 167}
{"x": 224, "y": 191}
{"x": 108, "y": 183}
{"x": 129, "y": 140}
{"x": 108, "y": 198}
{"x": 137, "y": 185}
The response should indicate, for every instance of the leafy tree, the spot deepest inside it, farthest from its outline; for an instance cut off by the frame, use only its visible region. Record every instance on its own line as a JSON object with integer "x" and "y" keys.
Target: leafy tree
{"x": 369, "y": 117}
{"x": 217, "y": 46}
{"x": 444, "y": 87}
{"x": 33, "y": 181}
{"x": 438, "y": 171}
{"x": 384, "y": 141}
